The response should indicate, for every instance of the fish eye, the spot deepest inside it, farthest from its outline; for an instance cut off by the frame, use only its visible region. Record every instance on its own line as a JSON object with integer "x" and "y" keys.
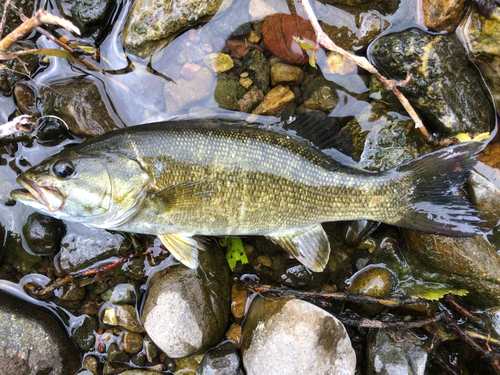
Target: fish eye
{"x": 63, "y": 169}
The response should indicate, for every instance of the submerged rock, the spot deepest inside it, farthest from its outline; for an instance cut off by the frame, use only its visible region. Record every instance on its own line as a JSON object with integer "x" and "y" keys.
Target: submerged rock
{"x": 321, "y": 94}
{"x": 187, "y": 310}
{"x": 443, "y": 15}
{"x": 275, "y": 101}
{"x": 470, "y": 263}
{"x": 17, "y": 69}
{"x": 483, "y": 190}
{"x": 395, "y": 352}
{"x": 80, "y": 104}
{"x": 221, "y": 360}
{"x": 33, "y": 340}
{"x": 85, "y": 14}
{"x": 147, "y": 29}
{"x": 444, "y": 89}
{"x": 481, "y": 35}
{"x": 43, "y": 233}
{"x": 227, "y": 92}
{"x": 383, "y": 6}
{"x": 258, "y": 69}
{"x": 291, "y": 336}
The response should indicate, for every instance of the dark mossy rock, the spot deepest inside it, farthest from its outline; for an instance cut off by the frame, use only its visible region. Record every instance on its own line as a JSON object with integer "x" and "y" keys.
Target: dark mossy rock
{"x": 469, "y": 263}
{"x": 227, "y": 92}
{"x": 383, "y": 6}
{"x": 482, "y": 37}
{"x": 17, "y": 69}
{"x": 43, "y": 233}
{"x": 444, "y": 89}
{"x": 321, "y": 94}
{"x": 80, "y": 104}
{"x": 26, "y": 98}
{"x": 148, "y": 30}
{"x": 258, "y": 69}
{"x": 223, "y": 359}
{"x": 86, "y": 13}
{"x": 13, "y": 20}
{"x": 83, "y": 334}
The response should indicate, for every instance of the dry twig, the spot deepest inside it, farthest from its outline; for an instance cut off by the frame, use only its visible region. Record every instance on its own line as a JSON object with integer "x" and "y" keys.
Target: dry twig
{"x": 6, "y": 8}
{"x": 23, "y": 124}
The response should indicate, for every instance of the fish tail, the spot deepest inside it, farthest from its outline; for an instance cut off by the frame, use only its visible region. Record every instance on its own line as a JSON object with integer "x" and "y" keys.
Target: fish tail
{"x": 437, "y": 178}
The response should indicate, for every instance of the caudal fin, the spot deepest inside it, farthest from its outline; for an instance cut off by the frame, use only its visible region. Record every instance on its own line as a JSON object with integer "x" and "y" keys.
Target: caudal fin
{"x": 435, "y": 205}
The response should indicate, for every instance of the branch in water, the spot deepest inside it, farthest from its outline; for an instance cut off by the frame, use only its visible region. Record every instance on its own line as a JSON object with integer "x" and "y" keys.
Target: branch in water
{"x": 23, "y": 124}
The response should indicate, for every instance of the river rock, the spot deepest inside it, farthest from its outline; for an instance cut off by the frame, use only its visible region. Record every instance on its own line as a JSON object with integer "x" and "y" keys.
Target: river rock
{"x": 183, "y": 93}
{"x": 85, "y": 14}
{"x": 250, "y": 100}
{"x": 127, "y": 318}
{"x": 33, "y": 340}
{"x": 278, "y": 32}
{"x": 258, "y": 69}
{"x": 83, "y": 332}
{"x": 147, "y": 30}
{"x": 221, "y": 360}
{"x": 395, "y": 352}
{"x": 470, "y": 263}
{"x": 275, "y": 101}
{"x": 227, "y": 92}
{"x": 286, "y": 74}
{"x": 13, "y": 20}
{"x": 43, "y": 233}
{"x": 83, "y": 246}
{"x": 443, "y": 88}
{"x": 25, "y": 97}
{"x": 321, "y": 94}
{"x": 383, "y": 6}
{"x": 483, "y": 190}
{"x": 443, "y": 15}
{"x": 17, "y": 69}
{"x": 187, "y": 310}
{"x": 481, "y": 35}
{"x": 290, "y": 336}
{"x": 80, "y": 104}
{"x": 121, "y": 294}
{"x": 218, "y": 62}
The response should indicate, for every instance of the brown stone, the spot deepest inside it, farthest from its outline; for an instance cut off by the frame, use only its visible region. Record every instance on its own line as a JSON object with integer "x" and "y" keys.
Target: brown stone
{"x": 275, "y": 101}
{"x": 238, "y": 300}
{"x": 278, "y": 32}
{"x": 443, "y": 15}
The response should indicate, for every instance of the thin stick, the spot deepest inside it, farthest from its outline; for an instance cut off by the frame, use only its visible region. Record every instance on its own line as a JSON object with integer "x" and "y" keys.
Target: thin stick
{"x": 23, "y": 124}
{"x": 391, "y": 85}
{"x": 6, "y": 8}
{"x": 337, "y": 296}
{"x": 40, "y": 17}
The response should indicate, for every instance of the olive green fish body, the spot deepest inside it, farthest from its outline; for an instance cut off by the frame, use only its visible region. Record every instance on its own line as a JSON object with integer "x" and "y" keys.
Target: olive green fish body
{"x": 185, "y": 178}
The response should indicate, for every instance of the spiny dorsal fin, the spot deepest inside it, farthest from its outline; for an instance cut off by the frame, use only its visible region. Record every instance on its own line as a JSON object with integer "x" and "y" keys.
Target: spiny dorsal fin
{"x": 183, "y": 247}
{"x": 184, "y": 196}
{"x": 309, "y": 245}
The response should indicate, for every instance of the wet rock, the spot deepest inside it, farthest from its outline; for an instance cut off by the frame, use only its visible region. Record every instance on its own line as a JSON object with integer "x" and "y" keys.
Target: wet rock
{"x": 138, "y": 359}
{"x": 72, "y": 293}
{"x": 373, "y": 281}
{"x": 51, "y": 132}
{"x": 388, "y": 143}
{"x": 233, "y": 334}
{"x": 147, "y": 30}
{"x": 83, "y": 246}
{"x": 187, "y": 310}
{"x": 443, "y": 88}
{"x": 250, "y": 100}
{"x": 150, "y": 349}
{"x": 351, "y": 30}
{"x": 13, "y": 20}
{"x": 481, "y": 36}
{"x": 286, "y": 74}
{"x": 338, "y": 64}
{"x": 221, "y": 360}
{"x": 134, "y": 269}
{"x": 238, "y": 300}
{"x": 486, "y": 7}
{"x": 483, "y": 190}
{"x": 227, "y": 92}
{"x": 80, "y": 104}
{"x": 126, "y": 317}
{"x": 295, "y": 276}
{"x": 258, "y": 69}
{"x": 121, "y": 294}
{"x": 109, "y": 316}
{"x": 246, "y": 82}
{"x": 91, "y": 364}
{"x": 33, "y": 340}
{"x": 278, "y": 32}
{"x": 278, "y": 333}
{"x": 183, "y": 93}
{"x": 218, "y": 62}
{"x": 25, "y": 98}
{"x": 275, "y": 101}
{"x": 395, "y": 352}
{"x": 87, "y": 13}
{"x": 321, "y": 94}
{"x": 356, "y": 231}
{"x": 115, "y": 354}
{"x": 83, "y": 333}
{"x": 469, "y": 263}
{"x": 131, "y": 342}
{"x": 111, "y": 368}
{"x": 43, "y": 234}
{"x": 17, "y": 69}
{"x": 443, "y": 15}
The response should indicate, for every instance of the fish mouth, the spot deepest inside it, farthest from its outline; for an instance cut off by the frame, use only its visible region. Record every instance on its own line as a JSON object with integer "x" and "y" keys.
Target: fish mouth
{"x": 47, "y": 197}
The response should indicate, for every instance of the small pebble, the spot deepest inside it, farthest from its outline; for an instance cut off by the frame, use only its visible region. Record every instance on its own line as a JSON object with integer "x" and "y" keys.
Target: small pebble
{"x": 275, "y": 101}
{"x": 218, "y": 62}
{"x": 233, "y": 334}
{"x": 238, "y": 301}
{"x": 131, "y": 342}
{"x": 109, "y": 316}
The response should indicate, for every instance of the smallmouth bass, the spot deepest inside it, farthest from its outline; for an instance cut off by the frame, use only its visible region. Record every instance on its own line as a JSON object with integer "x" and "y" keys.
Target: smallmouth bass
{"x": 186, "y": 178}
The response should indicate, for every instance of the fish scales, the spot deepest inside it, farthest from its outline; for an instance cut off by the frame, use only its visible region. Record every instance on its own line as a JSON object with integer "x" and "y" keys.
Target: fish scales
{"x": 187, "y": 178}
{"x": 263, "y": 181}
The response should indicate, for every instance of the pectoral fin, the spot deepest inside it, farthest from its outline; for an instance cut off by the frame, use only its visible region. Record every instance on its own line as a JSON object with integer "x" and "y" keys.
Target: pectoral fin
{"x": 309, "y": 245}
{"x": 186, "y": 195}
{"x": 184, "y": 248}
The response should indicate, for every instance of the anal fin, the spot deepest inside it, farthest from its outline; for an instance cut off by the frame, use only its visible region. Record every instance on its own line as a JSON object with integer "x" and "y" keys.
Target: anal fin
{"x": 182, "y": 247}
{"x": 309, "y": 246}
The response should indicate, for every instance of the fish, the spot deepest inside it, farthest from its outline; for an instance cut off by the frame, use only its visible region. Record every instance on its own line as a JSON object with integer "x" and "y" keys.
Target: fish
{"x": 181, "y": 179}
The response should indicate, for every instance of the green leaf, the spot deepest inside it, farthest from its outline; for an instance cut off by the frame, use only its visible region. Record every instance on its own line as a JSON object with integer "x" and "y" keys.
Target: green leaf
{"x": 235, "y": 251}
{"x": 434, "y": 294}
{"x": 312, "y": 59}
{"x": 304, "y": 45}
